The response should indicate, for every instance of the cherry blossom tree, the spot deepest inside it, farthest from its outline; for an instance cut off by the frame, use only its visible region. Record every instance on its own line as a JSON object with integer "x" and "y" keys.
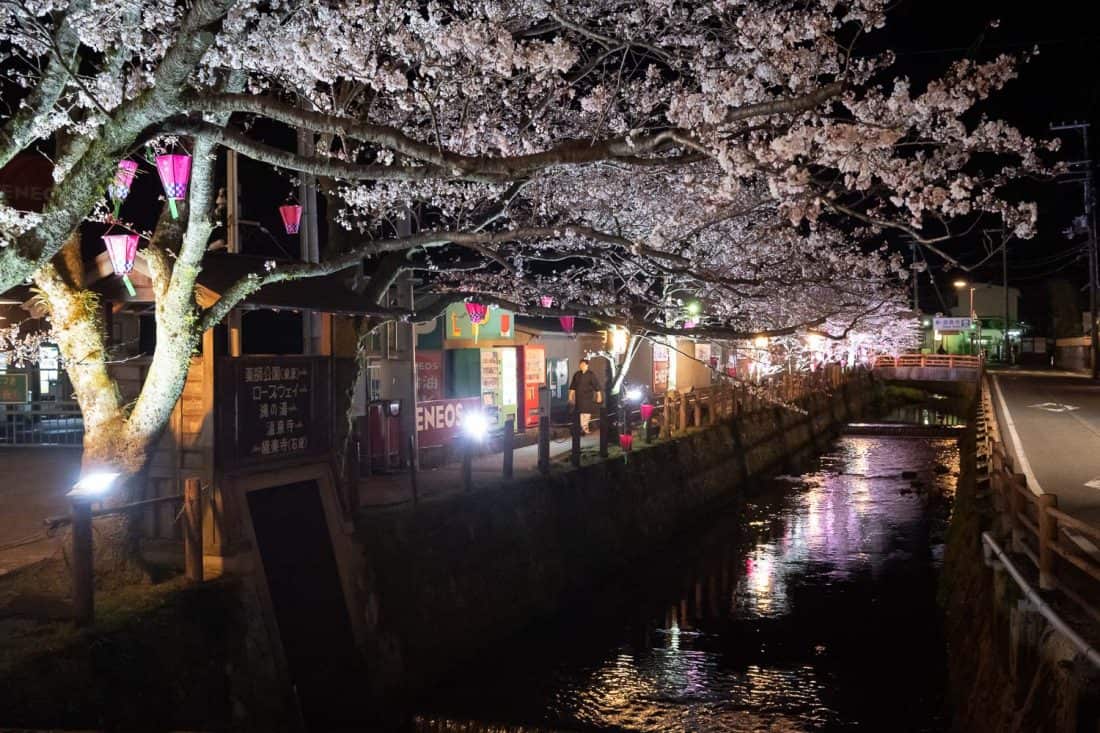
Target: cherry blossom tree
{"x": 622, "y": 157}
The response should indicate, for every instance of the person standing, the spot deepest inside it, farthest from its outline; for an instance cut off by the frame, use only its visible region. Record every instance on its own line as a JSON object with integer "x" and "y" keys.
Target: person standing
{"x": 584, "y": 394}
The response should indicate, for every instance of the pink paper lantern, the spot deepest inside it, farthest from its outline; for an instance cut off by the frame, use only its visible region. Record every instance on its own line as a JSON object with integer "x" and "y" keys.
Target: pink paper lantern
{"x": 479, "y": 316}
{"x": 546, "y": 301}
{"x": 478, "y": 312}
{"x": 292, "y": 217}
{"x": 646, "y": 410}
{"x": 175, "y": 173}
{"x": 122, "y": 249}
{"x": 567, "y": 323}
{"x": 626, "y": 442}
{"x": 119, "y": 189}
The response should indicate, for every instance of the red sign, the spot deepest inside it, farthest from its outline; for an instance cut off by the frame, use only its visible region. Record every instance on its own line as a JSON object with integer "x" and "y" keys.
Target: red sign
{"x": 429, "y": 376}
{"x": 438, "y": 421}
{"x": 660, "y": 369}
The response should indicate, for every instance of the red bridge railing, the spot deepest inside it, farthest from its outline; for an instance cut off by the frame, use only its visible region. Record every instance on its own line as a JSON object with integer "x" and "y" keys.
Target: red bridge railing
{"x": 947, "y": 361}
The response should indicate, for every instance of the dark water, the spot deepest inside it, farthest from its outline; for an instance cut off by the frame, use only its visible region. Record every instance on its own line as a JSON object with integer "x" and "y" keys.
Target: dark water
{"x": 811, "y": 609}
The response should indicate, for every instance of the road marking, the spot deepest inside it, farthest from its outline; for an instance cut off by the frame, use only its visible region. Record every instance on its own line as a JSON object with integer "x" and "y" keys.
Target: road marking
{"x": 1055, "y": 407}
{"x": 1017, "y": 447}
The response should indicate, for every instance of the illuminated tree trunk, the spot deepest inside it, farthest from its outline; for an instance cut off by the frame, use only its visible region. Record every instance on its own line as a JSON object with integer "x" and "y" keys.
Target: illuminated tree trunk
{"x": 115, "y": 439}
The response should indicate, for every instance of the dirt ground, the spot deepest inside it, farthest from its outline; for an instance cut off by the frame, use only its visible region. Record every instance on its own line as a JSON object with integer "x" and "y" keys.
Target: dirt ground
{"x": 33, "y": 483}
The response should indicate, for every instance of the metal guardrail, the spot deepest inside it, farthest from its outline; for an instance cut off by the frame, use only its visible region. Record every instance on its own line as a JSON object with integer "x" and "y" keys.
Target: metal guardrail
{"x": 946, "y": 361}
{"x": 41, "y": 423}
{"x": 1060, "y": 546}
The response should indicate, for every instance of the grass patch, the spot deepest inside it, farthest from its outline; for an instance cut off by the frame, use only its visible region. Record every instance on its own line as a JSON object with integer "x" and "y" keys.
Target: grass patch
{"x": 897, "y": 393}
{"x": 156, "y": 658}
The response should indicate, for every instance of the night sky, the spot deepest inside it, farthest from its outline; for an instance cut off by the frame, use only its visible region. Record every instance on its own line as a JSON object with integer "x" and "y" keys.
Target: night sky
{"x": 1059, "y": 85}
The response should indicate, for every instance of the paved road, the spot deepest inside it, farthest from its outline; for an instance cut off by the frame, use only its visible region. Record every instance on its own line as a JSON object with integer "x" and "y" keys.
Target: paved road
{"x": 1056, "y": 420}
{"x": 33, "y": 483}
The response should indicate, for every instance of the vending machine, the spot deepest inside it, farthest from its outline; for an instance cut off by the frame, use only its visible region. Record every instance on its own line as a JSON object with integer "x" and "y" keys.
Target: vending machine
{"x": 532, "y": 369}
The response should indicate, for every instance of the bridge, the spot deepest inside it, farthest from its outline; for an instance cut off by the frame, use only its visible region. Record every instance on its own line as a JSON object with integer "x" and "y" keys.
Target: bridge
{"x": 929, "y": 368}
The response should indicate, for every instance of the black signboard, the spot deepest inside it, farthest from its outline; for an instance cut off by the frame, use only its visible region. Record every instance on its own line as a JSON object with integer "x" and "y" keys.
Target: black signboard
{"x": 273, "y": 408}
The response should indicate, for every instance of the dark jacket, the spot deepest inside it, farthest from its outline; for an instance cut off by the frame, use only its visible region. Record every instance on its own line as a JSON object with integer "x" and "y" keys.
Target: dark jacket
{"x": 585, "y": 385}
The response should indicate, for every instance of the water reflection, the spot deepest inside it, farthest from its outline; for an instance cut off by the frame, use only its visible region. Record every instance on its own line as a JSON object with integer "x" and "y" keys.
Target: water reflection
{"x": 813, "y": 609}
{"x": 920, "y": 414}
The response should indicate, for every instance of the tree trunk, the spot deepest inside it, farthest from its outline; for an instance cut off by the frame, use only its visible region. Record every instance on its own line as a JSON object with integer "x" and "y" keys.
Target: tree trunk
{"x": 113, "y": 441}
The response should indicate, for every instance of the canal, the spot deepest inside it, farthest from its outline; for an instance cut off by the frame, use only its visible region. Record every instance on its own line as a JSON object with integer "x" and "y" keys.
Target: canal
{"x": 810, "y": 607}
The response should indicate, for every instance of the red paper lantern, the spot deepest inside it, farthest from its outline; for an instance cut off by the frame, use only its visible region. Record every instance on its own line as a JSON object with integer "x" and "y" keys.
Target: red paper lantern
{"x": 626, "y": 442}
{"x": 292, "y": 217}
{"x": 122, "y": 249}
{"x": 567, "y": 323}
{"x": 646, "y": 410}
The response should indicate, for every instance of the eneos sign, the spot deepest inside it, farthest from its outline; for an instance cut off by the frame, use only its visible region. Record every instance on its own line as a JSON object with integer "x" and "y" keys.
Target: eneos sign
{"x": 437, "y": 421}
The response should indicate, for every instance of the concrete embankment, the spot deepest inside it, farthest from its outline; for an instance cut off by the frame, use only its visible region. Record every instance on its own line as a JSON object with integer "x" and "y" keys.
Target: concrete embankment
{"x": 443, "y": 580}
{"x": 1010, "y": 669}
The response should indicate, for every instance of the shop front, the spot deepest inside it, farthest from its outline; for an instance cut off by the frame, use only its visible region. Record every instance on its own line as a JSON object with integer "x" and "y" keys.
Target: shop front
{"x": 458, "y": 359}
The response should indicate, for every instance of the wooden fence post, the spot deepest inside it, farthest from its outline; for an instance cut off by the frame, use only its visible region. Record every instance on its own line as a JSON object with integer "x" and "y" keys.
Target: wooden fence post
{"x": 468, "y": 463}
{"x": 666, "y": 417}
{"x": 509, "y": 445}
{"x": 575, "y": 430}
{"x": 544, "y": 444}
{"x": 1048, "y": 536}
{"x": 83, "y": 578}
{"x": 697, "y": 413}
{"x": 192, "y": 529}
{"x": 682, "y": 417}
{"x": 1017, "y": 509}
{"x": 604, "y": 429}
{"x": 413, "y": 464}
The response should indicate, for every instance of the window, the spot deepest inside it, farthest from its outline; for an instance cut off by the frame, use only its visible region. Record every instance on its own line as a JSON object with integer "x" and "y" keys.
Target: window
{"x": 47, "y": 368}
{"x": 374, "y": 380}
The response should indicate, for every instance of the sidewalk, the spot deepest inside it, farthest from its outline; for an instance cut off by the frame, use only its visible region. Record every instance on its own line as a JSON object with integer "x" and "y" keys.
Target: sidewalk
{"x": 379, "y": 491}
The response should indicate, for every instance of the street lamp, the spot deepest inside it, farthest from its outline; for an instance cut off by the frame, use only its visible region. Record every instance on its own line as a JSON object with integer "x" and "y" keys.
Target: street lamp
{"x": 960, "y": 284}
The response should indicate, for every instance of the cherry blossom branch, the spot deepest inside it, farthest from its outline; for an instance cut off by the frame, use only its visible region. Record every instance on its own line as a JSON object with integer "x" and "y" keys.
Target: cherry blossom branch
{"x": 468, "y": 167}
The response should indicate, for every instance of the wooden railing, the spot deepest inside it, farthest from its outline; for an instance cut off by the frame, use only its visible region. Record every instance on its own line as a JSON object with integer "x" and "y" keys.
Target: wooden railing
{"x": 946, "y": 361}
{"x": 699, "y": 406}
{"x": 1059, "y": 545}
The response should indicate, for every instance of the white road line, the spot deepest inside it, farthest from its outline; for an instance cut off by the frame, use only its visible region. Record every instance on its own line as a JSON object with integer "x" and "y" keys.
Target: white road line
{"x": 1017, "y": 448}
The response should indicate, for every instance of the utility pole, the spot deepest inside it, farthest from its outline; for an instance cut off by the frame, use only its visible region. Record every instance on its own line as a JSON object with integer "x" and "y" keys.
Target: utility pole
{"x": 1006, "y": 356}
{"x": 1090, "y": 221}
{"x": 310, "y": 244}
{"x": 916, "y": 275}
{"x": 233, "y": 240}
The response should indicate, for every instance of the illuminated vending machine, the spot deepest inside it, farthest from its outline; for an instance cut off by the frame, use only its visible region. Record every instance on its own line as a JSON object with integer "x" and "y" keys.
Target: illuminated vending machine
{"x": 533, "y": 365}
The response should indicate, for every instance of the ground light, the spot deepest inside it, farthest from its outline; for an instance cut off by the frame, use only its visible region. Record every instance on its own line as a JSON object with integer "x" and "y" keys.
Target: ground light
{"x": 93, "y": 486}
{"x": 634, "y": 394}
{"x": 475, "y": 425}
